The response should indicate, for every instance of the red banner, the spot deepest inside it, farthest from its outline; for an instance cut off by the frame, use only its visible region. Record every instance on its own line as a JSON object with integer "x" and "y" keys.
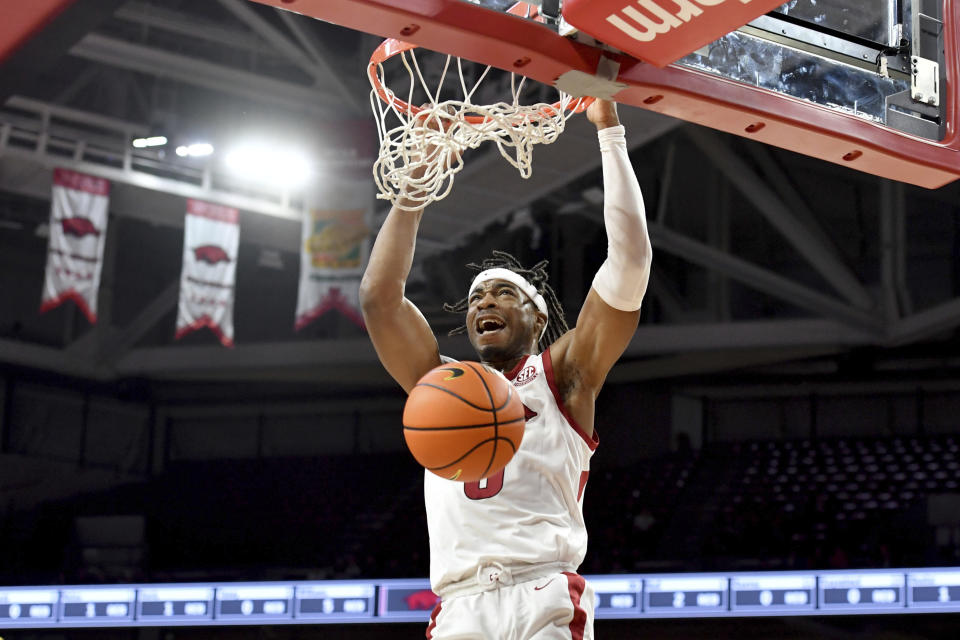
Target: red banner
{"x": 333, "y": 244}
{"x": 662, "y": 31}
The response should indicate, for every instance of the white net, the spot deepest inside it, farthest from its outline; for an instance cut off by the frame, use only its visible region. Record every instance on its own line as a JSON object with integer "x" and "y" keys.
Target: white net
{"x": 420, "y": 156}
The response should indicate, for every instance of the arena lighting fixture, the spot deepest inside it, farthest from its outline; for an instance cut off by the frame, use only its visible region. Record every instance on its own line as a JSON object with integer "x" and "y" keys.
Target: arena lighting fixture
{"x": 152, "y": 141}
{"x": 266, "y": 164}
{"x": 195, "y": 150}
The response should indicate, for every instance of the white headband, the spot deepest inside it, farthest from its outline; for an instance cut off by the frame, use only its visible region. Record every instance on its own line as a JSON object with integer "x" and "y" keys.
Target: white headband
{"x": 514, "y": 278}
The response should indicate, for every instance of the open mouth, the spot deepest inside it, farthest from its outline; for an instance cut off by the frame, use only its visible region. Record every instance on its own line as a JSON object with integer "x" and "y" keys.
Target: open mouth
{"x": 489, "y": 324}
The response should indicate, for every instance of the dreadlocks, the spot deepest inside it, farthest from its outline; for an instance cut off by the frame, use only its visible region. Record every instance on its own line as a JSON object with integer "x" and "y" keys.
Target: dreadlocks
{"x": 537, "y": 276}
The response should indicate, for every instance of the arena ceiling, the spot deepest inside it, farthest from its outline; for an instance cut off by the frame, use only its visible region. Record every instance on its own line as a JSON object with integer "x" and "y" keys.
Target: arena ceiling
{"x": 767, "y": 263}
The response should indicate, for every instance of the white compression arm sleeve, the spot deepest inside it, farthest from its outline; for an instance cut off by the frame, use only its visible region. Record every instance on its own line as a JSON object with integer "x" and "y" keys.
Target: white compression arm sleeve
{"x": 622, "y": 278}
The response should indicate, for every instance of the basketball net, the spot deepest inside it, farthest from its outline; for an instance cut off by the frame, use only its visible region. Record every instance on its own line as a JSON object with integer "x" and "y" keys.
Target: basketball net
{"x": 420, "y": 157}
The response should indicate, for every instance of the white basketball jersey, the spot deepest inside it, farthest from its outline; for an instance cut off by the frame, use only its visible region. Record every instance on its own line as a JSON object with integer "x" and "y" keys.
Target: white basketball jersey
{"x": 531, "y": 512}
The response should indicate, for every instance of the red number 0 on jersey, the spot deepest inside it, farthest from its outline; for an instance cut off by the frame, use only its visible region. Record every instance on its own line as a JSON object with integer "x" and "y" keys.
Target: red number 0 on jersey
{"x": 486, "y": 488}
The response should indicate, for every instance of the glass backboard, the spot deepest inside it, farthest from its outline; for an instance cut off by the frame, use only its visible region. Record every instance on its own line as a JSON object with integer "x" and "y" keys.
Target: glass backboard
{"x": 869, "y": 84}
{"x": 852, "y": 56}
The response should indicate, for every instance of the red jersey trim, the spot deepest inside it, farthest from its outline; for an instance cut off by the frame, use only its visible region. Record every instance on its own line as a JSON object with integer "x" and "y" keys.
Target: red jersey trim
{"x": 575, "y": 586}
{"x": 510, "y": 375}
{"x": 433, "y": 620}
{"x": 583, "y": 483}
{"x": 548, "y": 370}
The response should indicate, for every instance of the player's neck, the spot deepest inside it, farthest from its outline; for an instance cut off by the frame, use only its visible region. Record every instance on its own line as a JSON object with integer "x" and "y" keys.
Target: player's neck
{"x": 508, "y": 364}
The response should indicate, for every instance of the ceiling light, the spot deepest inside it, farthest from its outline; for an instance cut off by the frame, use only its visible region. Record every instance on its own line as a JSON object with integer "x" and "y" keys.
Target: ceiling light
{"x": 152, "y": 141}
{"x": 264, "y": 164}
{"x": 196, "y": 150}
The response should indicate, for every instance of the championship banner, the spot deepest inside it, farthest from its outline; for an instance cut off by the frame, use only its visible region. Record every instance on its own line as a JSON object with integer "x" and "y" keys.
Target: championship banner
{"x": 662, "y": 31}
{"x": 333, "y": 242}
{"x": 207, "y": 282}
{"x": 78, "y": 229}
{"x": 331, "y": 264}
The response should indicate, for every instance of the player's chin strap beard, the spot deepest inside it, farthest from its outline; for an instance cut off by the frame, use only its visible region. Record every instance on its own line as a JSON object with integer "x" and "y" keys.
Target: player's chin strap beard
{"x": 499, "y": 273}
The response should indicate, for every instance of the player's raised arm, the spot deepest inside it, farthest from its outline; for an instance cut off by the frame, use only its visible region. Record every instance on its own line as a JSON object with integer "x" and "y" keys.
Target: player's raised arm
{"x": 609, "y": 316}
{"x": 401, "y": 335}
{"x": 404, "y": 341}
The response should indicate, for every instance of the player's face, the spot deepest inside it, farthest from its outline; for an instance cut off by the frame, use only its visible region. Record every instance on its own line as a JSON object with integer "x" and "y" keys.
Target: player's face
{"x": 502, "y": 321}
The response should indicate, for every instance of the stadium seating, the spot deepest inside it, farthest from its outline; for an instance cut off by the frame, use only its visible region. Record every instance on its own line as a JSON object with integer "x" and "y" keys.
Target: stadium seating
{"x": 778, "y": 504}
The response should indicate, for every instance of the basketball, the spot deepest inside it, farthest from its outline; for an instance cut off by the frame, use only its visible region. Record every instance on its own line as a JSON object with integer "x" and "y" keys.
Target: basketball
{"x": 463, "y": 421}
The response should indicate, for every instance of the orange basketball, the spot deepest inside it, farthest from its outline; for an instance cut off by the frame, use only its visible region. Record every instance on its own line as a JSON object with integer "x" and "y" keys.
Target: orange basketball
{"x": 463, "y": 421}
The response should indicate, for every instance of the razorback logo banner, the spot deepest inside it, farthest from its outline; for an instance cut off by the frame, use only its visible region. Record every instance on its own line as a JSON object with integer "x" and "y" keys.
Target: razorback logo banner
{"x": 78, "y": 229}
{"x": 211, "y": 239}
{"x": 662, "y": 31}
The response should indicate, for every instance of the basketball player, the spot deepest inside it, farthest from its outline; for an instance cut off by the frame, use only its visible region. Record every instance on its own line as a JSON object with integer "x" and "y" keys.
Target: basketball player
{"x": 505, "y": 551}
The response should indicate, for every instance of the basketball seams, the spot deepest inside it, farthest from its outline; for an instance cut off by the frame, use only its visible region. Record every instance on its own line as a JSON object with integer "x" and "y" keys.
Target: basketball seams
{"x": 496, "y": 420}
{"x": 474, "y": 448}
{"x": 506, "y": 402}
{"x": 491, "y": 408}
{"x": 509, "y": 397}
{"x": 458, "y": 396}
{"x": 463, "y": 401}
{"x": 465, "y": 426}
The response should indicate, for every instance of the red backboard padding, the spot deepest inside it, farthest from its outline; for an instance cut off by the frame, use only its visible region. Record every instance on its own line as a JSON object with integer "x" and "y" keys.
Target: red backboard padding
{"x": 515, "y": 44}
{"x": 662, "y": 31}
{"x": 19, "y": 20}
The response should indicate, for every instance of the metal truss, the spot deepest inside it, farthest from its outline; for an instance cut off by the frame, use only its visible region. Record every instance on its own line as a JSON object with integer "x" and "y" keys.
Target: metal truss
{"x": 48, "y": 136}
{"x": 692, "y": 337}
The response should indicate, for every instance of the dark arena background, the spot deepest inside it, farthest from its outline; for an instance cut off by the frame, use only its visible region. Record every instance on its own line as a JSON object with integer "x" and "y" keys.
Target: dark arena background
{"x": 779, "y": 446}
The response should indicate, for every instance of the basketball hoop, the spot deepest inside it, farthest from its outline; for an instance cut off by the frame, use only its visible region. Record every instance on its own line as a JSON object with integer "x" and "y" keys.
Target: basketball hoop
{"x": 420, "y": 156}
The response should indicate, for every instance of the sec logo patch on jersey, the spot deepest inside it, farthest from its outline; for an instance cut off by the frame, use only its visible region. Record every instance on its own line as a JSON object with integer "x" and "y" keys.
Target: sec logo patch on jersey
{"x": 528, "y": 374}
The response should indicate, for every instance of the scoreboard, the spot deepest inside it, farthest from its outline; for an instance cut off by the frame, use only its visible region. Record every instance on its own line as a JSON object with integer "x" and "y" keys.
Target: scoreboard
{"x": 789, "y": 593}
{"x": 858, "y": 592}
{"x": 678, "y": 595}
{"x": 933, "y": 590}
{"x": 782, "y": 594}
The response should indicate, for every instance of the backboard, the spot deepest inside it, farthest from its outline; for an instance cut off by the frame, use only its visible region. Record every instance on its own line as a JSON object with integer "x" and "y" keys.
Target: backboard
{"x": 872, "y": 85}
{"x": 23, "y": 19}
